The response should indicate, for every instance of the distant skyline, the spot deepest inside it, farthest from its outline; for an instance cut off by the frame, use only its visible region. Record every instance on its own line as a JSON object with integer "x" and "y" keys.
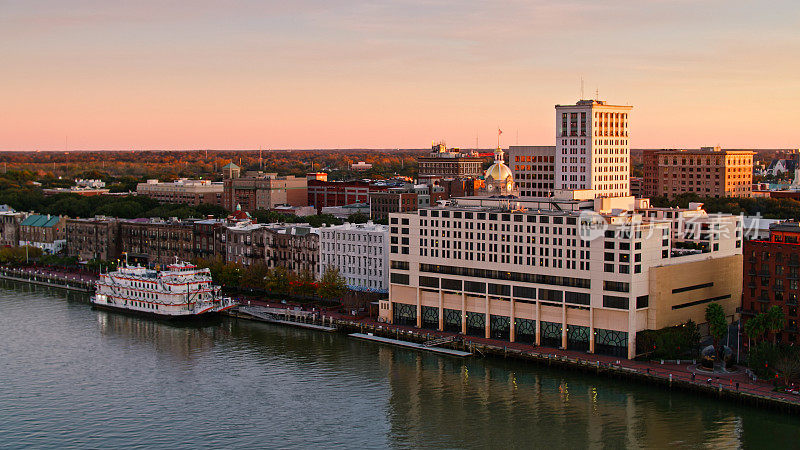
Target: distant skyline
{"x": 90, "y": 74}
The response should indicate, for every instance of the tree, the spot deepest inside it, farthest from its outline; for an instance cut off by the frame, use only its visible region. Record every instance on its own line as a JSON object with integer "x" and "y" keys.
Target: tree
{"x": 332, "y": 285}
{"x": 255, "y": 276}
{"x": 775, "y": 321}
{"x": 717, "y": 325}
{"x": 754, "y": 328}
{"x": 278, "y": 280}
{"x": 304, "y": 285}
{"x": 358, "y": 218}
{"x": 787, "y": 363}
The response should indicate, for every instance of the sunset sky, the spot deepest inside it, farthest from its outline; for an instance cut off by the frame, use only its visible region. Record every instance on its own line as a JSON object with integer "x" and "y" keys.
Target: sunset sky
{"x": 150, "y": 74}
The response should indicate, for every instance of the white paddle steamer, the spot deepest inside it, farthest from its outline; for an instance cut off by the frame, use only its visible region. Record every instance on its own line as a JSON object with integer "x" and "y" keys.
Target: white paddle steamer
{"x": 182, "y": 290}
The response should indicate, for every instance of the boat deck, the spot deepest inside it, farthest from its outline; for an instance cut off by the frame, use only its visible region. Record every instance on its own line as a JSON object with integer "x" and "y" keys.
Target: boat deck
{"x": 412, "y": 345}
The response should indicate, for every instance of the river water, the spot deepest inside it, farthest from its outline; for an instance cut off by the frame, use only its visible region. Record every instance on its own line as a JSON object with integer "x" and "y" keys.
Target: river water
{"x": 71, "y": 376}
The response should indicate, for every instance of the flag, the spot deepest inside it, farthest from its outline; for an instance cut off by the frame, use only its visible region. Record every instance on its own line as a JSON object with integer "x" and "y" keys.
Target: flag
{"x": 499, "y": 131}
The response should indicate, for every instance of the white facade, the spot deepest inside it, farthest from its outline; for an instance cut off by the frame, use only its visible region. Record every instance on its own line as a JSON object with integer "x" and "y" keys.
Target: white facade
{"x": 360, "y": 252}
{"x": 50, "y": 248}
{"x": 592, "y": 149}
{"x": 589, "y": 271}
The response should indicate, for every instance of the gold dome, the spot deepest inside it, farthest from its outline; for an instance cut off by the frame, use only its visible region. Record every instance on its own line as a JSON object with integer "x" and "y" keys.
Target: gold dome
{"x": 498, "y": 172}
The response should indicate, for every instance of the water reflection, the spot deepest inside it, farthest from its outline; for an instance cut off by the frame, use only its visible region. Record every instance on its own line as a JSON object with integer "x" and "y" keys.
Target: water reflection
{"x": 250, "y": 384}
{"x": 440, "y": 401}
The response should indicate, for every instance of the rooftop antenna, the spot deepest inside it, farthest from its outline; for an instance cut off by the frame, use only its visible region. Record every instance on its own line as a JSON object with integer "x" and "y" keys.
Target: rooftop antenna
{"x": 581, "y": 88}
{"x": 517, "y": 136}
{"x": 597, "y": 94}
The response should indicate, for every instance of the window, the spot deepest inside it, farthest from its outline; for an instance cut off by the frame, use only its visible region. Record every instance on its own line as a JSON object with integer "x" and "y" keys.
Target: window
{"x": 613, "y": 301}
{"x": 399, "y": 278}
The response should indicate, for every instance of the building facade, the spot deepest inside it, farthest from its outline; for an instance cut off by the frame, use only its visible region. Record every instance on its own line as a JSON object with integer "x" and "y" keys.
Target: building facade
{"x": 583, "y": 280}
{"x": 771, "y": 275}
{"x": 10, "y": 221}
{"x": 444, "y": 163}
{"x": 707, "y": 172}
{"x": 533, "y": 167}
{"x": 294, "y": 247}
{"x": 259, "y": 190}
{"x": 157, "y": 241}
{"x": 360, "y": 252}
{"x": 323, "y": 194}
{"x": 592, "y": 150}
{"x": 95, "y": 238}
{"x": 381, "y": 204}
{"x": 190, "y": 192}
{"x": 245, "y": 243}
{"x": 43, "y": 231}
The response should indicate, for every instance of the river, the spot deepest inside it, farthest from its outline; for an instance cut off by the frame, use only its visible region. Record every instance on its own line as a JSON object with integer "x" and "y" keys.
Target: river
{"x": 75, "y": 377}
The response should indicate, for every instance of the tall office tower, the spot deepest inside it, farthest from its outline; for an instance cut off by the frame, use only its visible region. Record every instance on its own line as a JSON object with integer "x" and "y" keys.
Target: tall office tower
{"x": 592, "y": 148}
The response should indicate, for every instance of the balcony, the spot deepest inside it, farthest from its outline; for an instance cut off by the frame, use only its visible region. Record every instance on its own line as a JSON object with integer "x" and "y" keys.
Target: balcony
{"x": 764, "y": 299}
{"x": 764, "y": 273}
{"x": 748, "y": 312}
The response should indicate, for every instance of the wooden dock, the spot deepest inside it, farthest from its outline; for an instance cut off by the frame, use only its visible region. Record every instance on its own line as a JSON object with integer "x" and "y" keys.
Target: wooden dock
{"x": 411, "y": 345}
{"x": 301, "y": 319}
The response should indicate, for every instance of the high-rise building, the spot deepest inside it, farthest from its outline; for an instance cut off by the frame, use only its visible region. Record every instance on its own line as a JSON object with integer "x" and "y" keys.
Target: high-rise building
{"x": 707, "y": 172}
{"x": 592, "y": 151}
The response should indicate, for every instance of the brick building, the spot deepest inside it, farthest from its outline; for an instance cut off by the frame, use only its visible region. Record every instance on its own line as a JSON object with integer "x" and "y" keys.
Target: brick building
{"x": 259, "y": 190}
{"x": 190, "y": 192}
{"x": 209, "y": 238}
{"x": 381, "y": 204}
{"x": 95, "y": 238}
{"x": 771, "y": 276}
{"x": 707, "y": 172}
{"x": 9, "y": 227}
{"x": 295, "y": 247}
{"x": 43, "y": 231}
{"x": 157, "y": 241}
{"x": 322, "y": 194}
{"x": 442, "y": 162}
{"x": 244, "y": 243}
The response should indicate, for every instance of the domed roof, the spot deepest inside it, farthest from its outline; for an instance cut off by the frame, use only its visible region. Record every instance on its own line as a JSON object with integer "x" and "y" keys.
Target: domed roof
{"x": 498, "y": 171}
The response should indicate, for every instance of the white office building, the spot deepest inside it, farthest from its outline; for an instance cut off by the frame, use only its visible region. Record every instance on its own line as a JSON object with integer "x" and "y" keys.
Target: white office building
{"x": 592, "y": 151}
{"x": 360, "y": 253}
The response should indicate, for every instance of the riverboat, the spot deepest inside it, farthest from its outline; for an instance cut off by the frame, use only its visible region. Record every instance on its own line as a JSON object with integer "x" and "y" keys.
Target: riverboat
{"x": 181, "y": 291}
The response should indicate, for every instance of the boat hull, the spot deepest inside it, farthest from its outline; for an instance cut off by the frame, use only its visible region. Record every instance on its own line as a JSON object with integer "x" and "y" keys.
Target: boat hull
{"x": 157, "y": 316}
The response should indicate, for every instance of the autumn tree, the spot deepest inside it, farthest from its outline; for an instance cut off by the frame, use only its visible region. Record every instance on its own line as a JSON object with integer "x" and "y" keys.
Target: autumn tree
{"x": 332, "y": 285}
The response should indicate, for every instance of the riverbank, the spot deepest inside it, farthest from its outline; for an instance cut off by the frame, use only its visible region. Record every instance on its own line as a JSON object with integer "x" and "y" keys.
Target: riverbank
{"x": 738, "y": 386}
{"x": 735, "y": 387}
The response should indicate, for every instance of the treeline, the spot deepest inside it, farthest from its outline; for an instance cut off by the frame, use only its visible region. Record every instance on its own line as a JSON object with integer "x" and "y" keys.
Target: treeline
{"x": 278, "y": 280}
{"x": 126, "y": 207}
{"x": 769, "y": 208}
{"x": 170, "y": 165}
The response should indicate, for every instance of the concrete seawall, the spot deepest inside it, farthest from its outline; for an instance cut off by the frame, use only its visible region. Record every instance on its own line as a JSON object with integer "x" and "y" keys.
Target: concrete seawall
{"x": 50, "y": 280}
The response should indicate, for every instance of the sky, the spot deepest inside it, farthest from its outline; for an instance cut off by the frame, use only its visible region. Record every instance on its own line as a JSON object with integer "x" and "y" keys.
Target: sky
{"x": 241, "y": 74}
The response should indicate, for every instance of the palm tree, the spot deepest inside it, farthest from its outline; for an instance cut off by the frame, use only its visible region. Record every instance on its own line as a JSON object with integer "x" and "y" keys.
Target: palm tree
{"x": 775, "y": 321}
